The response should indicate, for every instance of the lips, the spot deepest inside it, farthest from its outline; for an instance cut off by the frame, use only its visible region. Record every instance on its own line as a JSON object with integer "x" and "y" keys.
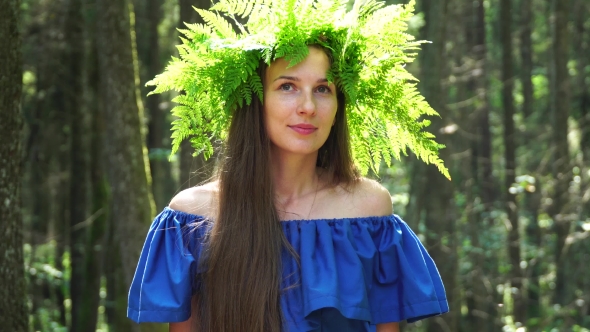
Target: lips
{"x": 303, "y": 128}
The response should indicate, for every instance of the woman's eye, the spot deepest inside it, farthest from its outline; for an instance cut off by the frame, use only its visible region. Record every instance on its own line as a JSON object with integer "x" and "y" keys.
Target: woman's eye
{"x": 324, "y": 89}
{"x": 286, "y": 87}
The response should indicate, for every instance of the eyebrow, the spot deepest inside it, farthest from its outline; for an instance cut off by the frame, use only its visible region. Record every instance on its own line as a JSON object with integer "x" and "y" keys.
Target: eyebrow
{"x": 293, "y": 78}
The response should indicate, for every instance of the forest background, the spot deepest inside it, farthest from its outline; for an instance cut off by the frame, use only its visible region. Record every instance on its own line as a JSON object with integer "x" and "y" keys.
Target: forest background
{"x": 84, "y": 168}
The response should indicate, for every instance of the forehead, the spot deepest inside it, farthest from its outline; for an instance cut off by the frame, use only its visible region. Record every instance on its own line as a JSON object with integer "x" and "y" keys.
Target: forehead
{"x": 314, "y": 66}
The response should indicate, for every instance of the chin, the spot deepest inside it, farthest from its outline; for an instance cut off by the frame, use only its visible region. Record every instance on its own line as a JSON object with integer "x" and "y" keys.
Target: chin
{"x": 299, "y": 150}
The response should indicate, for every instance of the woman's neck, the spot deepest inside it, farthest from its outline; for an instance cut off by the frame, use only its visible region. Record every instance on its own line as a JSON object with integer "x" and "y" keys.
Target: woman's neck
{"x": 294, "y": 176}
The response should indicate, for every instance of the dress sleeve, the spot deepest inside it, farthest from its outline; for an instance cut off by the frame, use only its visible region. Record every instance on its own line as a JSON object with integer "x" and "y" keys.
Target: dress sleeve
{"x": 406, "y": 282}
{"x": 371, "y": 269}
{"x": 163, "y": 284}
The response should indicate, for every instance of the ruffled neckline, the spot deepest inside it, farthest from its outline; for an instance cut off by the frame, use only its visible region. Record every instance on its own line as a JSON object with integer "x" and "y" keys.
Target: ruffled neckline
{"x": 350, "y": 272}
{"x": 328, "y": 220}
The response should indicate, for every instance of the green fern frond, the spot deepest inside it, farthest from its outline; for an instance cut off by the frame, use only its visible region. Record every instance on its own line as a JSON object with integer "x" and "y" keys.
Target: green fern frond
{"x": 217, "y": 23}
{"x": 239, "y": 8}
{"x": 216, "y": 71}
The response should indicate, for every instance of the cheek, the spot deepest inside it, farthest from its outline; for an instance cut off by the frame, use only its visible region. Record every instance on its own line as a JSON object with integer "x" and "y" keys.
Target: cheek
{"x": 331, "y": 110}
{"x": 272, "y": 117}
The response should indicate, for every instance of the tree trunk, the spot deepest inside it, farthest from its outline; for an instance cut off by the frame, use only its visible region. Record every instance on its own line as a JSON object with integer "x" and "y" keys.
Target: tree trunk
{"x": 439, "y": 212}
{"x": 57, "y": 135}
{"x": 73, "y": 102}
{"x": 128, "y": 171}
{"x": 96, "y": 233}
{"x": 583, "y": 46}
{"x": 115, "y": 305}
{"x": 510, "y": 205}
{"x": 532, "y": 205}
{"x": 13, "y": 300}
{"x": 532, "y": 201}
{"x": 581, "y": 249}
{"x": 479, "y": 85}
{"x": 132, "y": 207}
{"x": 482, "y": 312}
{"x": 526, "y": 56}
{"x": 561, "y": 159}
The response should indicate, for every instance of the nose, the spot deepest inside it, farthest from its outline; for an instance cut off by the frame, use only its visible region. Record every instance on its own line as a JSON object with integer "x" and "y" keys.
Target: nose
{"x": 307, "y": 105}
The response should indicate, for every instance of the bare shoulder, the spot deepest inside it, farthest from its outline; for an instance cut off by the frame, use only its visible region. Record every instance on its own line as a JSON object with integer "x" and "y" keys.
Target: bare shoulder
{"x": 201, "y": 200}
{"x": 372, "y": 198}
{"x": 363, "y": 198}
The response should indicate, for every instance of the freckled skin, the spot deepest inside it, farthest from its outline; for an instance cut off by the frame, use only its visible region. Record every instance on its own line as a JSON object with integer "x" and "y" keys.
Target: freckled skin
{"x": 299, "y": 95}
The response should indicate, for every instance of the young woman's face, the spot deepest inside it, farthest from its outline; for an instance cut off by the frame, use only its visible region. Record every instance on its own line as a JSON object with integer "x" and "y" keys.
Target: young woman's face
{"x": 299, "y": 104}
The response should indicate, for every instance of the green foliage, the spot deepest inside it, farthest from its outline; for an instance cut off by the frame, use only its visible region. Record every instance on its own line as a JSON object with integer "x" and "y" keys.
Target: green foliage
{"x": 41, "y": 272}
{"x": 46, "y": 275}
{"x": 216, "y": 71}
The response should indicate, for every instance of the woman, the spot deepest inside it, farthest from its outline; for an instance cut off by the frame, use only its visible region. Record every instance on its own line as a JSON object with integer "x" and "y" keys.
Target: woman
{"x": 289, "y": 236}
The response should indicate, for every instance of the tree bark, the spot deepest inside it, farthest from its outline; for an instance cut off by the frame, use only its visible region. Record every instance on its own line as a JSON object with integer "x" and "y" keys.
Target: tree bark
{"x": 57, "y": 143}
{"x": 479, "y": 85}
{"x": 532, "y": 201}
{"x": 116, "y": 286}
{"x": 583, "y": 46}
{"x": 73, "y": 102}
{"x": 581, "y": 249}
{"x": 526, "y": 56}
{"x": 561, "y": 159}
{"x": 132, "y": 207}
{"x": 510, "y": 204}
{"x": 13, "y": 305}
{"x": 95, "y": 245}
{"x": 532, "y": 206}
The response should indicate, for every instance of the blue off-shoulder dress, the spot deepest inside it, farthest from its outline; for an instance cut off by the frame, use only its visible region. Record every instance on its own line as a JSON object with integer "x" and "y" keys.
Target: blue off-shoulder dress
{"x": 353, "y": 273}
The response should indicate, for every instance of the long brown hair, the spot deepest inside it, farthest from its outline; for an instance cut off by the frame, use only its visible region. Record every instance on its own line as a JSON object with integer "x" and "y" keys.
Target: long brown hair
{"x": 241, "y": 287}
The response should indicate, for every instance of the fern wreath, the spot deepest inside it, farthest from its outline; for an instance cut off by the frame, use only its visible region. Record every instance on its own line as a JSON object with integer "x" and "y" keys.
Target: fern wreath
{"x": 370, "y": 47}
